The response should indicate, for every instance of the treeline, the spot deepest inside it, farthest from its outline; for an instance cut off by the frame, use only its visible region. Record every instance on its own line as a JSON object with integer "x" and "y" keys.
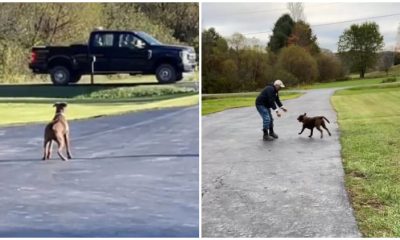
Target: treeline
{"x": 23, "y": 25}
{"x": 237, "y": 64}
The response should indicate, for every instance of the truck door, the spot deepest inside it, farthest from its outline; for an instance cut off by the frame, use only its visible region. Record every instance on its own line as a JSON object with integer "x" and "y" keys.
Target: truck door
{"x": 102, "y": 46}
{"x": 132, "y": 54}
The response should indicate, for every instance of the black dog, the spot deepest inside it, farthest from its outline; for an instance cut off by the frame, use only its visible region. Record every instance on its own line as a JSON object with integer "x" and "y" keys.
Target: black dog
{"x": 311, "y": 122}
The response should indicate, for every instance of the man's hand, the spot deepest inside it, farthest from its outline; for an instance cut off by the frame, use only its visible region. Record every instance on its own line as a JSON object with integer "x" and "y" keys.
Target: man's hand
{"x": 284, "y": 109}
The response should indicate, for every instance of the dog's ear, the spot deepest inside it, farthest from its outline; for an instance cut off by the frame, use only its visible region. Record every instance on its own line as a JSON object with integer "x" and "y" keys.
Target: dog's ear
{"x": 305, "y": 114}
{"x": 55, "y": 104}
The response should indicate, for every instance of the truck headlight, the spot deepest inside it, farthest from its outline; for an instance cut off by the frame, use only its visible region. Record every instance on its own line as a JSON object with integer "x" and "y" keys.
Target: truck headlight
{"x": 187, "y": 57}
{"x": 184, "y": 55}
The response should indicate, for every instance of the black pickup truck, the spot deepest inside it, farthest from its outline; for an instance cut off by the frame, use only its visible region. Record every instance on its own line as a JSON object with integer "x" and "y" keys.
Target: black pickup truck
{"x": 113, "y": 52}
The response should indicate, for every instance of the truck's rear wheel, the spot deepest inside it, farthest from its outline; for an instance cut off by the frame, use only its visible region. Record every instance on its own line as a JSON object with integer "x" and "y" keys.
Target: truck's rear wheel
{"x": 166, "y": 73}
{"x": 60, "y": 75}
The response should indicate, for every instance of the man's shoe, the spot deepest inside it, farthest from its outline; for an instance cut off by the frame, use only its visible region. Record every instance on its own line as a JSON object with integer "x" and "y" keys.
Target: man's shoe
{"x": 266, "y": 137}
{"x": 272, "y": 133}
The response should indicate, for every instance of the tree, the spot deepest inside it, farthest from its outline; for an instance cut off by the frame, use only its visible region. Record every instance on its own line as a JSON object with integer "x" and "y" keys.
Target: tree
{"x": 23, "y": 25}
{"x": 123, "y": 16}
{"x": 397, "y": 47}
{"x": 182, "y": 18}
{"x": 214, "y": 54}
{"x": 386, "y": 61}
{"x": 296, "y": 11}
{"x": 255, "y": 43}
{"x": 237, "y": 41}
{"x": 360, "y": 44}
{"x": 303, "y": 36}
{"x": 289, "y": 78}
{"x": 48, "y": 23}
{"x": 299, "y": 63}
{"x": 282, "y": 30}
{"x": 243, "y": 66}
{"x": 396, "y": 58}
{"x": 329, "y": 66}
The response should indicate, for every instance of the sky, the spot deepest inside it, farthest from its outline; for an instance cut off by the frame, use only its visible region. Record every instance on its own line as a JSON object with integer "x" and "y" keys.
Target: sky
{"x": 252, "y": 18}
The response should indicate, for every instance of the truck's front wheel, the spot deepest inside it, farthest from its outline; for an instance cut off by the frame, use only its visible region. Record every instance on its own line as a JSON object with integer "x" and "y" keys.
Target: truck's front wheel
{"x": 60, "y": 75}
{"x": 166, "y": 73}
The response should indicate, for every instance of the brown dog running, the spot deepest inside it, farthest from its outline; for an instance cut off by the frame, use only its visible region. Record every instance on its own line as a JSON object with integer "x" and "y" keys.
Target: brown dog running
{"x": 57, "y": 130}
{"x": 311, "y": 122}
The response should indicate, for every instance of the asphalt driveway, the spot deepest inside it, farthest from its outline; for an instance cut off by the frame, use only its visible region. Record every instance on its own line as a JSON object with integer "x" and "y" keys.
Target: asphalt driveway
{"x": 133, "y": 175}
{"x": 291, "y": 187}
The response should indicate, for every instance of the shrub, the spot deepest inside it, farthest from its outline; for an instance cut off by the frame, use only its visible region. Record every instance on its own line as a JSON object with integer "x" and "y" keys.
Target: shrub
{"x": 13, "y": 62}
{"x": 329, "y": 67}
{"x": 134, "y": 92}
{"x": 229, "y": 79}
{"x": 299, "y": 63}
{"x": 344, "y": 78}
{"x": 288, "y": 78}
{"x": 389, "y": 80}
{"x": 265, "y": 75}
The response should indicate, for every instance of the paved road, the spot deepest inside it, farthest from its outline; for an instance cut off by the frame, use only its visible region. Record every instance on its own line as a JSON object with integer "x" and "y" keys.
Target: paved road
{"x": 292, "y": 187}
{"x": 133, "y": 175}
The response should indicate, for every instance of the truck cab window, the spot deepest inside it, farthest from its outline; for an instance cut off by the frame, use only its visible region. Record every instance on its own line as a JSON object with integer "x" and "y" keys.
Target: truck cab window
{"x": 130, "y": 41}
{"x": 103, "y": 40}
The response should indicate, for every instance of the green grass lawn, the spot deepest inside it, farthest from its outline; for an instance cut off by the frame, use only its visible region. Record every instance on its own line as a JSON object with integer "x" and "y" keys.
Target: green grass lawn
{"x": 348, "y": 83}
{"x": 219, "y": 102}
{"x": 21, "y": 104}
{"x": 28, "y": 112}
{"x": 95, "y": 91}
{"x": 371, "y": 78}
{"x": 369, "y": 122}
{"x": 393, "y": 71}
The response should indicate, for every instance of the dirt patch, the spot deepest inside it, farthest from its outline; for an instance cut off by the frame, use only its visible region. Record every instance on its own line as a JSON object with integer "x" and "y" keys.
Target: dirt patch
{"x": 362, "y": 201}
{"x": 358, "y": 174}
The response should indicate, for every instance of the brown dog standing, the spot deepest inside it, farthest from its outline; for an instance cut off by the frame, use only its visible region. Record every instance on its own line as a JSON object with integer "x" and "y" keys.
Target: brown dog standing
{"x": 57, "y": 130}
{"x": 311, "y": 122}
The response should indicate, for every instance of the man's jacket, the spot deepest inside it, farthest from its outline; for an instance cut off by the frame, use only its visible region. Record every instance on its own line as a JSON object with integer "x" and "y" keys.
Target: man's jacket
{"x": 268, "y": 97}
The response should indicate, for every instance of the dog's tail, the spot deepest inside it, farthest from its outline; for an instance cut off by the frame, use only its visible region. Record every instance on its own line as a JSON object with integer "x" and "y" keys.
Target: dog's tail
{"x": 326, "y": 119}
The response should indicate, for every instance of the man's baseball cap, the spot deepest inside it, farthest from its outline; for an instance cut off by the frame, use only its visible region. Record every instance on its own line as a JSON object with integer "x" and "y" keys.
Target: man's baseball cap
{"x": 279, "y": 83}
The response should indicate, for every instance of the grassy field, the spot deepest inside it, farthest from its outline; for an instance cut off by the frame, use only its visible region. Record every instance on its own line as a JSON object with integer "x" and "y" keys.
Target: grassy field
{"x": 347, "y": 83}
{"x": 95, "y": 92}
{"x": 28, "y": 112}
{"x": 371, "y": 78}
{"x": 219, "y": 102}
{"x": 21, "y": 104}
{"x": 369, "y": 120}
{"x": 137, "y": 92}
{"x": 393, "y": 71}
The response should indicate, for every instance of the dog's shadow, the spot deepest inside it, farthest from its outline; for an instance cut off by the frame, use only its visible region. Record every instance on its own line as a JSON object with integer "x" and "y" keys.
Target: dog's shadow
{"x": 136, "y": 157}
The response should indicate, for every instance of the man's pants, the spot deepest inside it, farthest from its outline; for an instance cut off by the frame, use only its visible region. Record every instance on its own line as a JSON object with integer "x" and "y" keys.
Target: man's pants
{"x": 265, "y": 113}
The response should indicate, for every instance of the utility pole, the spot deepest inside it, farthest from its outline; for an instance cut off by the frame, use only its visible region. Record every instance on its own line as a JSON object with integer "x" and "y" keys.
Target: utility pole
{"x": 92, "y": 70}
{"x": 396, "y": 53}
